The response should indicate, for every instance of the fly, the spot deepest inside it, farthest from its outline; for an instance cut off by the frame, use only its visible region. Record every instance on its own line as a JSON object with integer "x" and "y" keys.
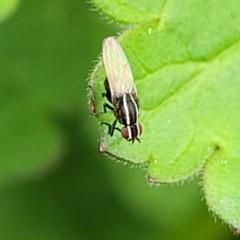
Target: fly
{"x": 121, "y": 91}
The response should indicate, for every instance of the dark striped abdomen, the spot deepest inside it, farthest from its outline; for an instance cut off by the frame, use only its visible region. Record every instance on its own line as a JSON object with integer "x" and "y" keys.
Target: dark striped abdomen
{"x": 126, "y": 109}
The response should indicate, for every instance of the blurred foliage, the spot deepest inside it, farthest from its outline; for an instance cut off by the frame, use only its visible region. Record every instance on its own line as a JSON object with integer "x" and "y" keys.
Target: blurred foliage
{"x": 7, "y": 7}
{"x": 54, "y": 183}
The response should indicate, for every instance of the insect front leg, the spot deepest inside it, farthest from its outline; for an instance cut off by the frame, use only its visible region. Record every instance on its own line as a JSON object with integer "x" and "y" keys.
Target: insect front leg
{"x": 107, "y": 106}
{"x": 111, "y": 127}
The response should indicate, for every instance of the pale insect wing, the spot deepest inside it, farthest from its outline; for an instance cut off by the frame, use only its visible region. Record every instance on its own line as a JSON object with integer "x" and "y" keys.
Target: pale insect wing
{"x": 109, "y": 64}
{"x": 117, "y": 68}
{"x": 128, "y": 84}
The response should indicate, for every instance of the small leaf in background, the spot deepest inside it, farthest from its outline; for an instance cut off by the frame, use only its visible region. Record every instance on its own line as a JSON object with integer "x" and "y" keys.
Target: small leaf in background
{"x": 131, "y": 11}
{"x": 7, "y": 7}
{"x": 185, "y": 57}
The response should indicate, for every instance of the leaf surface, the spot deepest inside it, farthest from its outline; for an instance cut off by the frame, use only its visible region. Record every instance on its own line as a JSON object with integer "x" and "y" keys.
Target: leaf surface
{"x": 186, "y": 67}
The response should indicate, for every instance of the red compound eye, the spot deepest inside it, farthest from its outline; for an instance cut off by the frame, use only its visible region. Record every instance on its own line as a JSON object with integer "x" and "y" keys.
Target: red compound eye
{"x": 131, "y": 133}
{"x": 124, "y": 132}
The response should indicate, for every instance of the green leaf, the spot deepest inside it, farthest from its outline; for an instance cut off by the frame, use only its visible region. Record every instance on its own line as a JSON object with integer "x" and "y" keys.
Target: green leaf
{"x": 221, "y": 186}
{"x": 186, "y": 68}
{"x": 7, "y": 7}
{"x": 131, "y": 11}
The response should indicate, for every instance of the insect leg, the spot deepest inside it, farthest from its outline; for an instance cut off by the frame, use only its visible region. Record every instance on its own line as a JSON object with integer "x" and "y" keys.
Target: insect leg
{"x": 111, "y": 127}
{"x": 107, "y": 106}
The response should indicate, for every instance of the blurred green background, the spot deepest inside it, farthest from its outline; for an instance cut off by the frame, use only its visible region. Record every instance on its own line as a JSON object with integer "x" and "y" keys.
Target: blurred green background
{"x": 54, "y": 184}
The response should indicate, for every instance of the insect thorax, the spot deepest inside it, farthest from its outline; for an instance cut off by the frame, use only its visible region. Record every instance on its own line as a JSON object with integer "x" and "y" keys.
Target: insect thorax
{"x": 126, "y": 109}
